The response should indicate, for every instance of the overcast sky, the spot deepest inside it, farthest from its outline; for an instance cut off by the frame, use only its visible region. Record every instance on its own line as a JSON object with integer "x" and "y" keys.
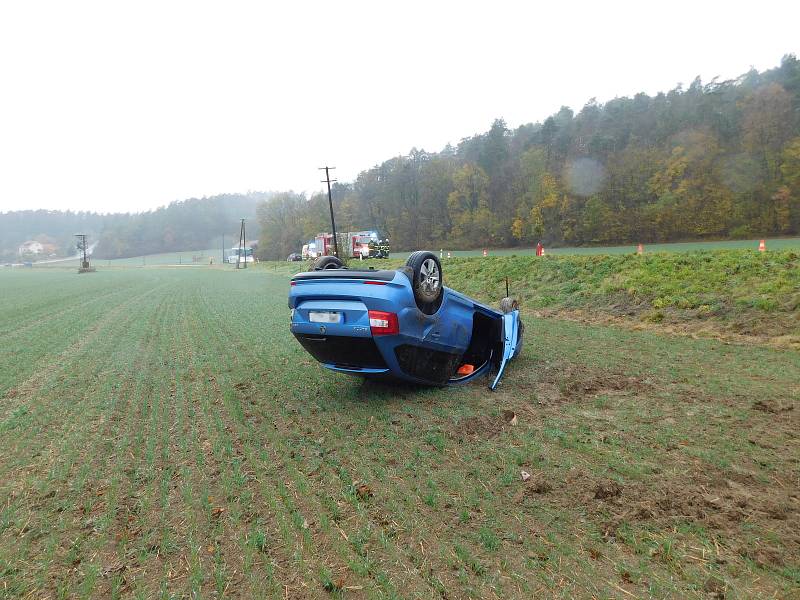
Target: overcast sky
{"x": 113, "y": 106}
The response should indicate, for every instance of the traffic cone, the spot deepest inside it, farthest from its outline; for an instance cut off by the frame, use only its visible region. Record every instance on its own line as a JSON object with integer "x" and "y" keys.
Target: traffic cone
{"x": 485, "y": 253}
{"x": 542, "y": 254}
{"x": 448, "y": 255}
{"x": 639, "y": 249}
{"x": 762, "y": 246}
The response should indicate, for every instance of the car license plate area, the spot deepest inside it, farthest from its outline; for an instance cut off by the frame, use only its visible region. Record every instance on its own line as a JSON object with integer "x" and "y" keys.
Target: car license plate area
{"x": 324, "y": 316}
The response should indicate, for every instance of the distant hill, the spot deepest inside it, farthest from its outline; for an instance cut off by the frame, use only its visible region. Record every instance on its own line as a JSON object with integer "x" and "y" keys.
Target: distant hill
{"x": 712, "y": 160}
{"x": 194, "y": 224}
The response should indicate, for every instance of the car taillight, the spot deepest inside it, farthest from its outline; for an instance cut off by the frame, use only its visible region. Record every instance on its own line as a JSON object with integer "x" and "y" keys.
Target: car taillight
{"x": 383, "y": 323}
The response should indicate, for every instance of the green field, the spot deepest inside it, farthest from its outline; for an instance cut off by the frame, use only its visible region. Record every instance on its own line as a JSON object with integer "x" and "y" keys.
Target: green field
{"x": 189, "y": 257}
{"x": 162, "y": 435}
{"x": 772, "y": 244}
{"x": 200, "y": 257}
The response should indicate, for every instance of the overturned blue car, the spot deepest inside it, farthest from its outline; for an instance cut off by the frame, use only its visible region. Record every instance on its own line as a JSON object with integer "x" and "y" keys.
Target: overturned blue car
{"x": 401, "y": 324}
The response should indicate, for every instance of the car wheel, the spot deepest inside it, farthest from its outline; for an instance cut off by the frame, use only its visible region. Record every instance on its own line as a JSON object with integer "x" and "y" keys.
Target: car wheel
{"x": 508, "y": 304}
{"x": 426, "y": 280}
{"x": 323, "y": 263}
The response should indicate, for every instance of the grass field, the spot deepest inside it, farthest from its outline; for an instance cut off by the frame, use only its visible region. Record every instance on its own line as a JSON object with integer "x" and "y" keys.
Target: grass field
{"x": 772, "y": 244}
{"x": 201, "y": 257}
{"x": 162, "y": 435}
{"x": 189, "y": 257}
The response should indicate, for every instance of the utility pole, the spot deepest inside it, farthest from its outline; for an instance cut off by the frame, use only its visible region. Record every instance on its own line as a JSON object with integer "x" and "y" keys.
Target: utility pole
{"x": 242, "y": 247}
{"x": 328, "y": 180}
{"x": 82, "y": 247}
{"x": 84, "y": 268}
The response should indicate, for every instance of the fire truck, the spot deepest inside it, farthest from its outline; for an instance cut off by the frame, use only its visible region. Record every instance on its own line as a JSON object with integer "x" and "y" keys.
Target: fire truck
{"x": 323, "y": 244}
{"x": 354, "y": 244}
{"x": 359, "y": 243}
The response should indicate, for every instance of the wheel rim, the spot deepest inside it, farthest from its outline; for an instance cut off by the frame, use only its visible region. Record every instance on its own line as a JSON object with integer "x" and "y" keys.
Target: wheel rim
{"x": 429, "y": 277}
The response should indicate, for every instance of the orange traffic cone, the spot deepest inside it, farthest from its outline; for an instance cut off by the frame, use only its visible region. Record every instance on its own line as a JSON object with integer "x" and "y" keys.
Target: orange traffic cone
{"x": 485, "y": 253}
{"x": 762, "y": 246}
{"x": 542, "y": 254}
{"x": 639, "y": 249}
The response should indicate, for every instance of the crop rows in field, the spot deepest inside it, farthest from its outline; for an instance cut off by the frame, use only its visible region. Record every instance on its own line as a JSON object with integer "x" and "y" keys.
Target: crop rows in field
{"x": 164, "y": 435}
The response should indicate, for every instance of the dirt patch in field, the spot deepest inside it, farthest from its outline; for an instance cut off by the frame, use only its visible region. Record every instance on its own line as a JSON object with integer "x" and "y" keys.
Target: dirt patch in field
{"x": 479, "y": 427}
{"x": 727, "y": 507}
{"x": 606, "y": 490}
{"x": 773, "y": 406}
{"x": 563, "y": 381}
{"x": 538, "y": 485}
{"x": 684, "y": 323}
{"x": 728, "y": 504}
{"x": 483, "y": 427}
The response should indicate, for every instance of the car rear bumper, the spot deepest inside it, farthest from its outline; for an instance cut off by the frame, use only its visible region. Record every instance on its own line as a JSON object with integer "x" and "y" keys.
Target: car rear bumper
{"x": 357, "y": 354}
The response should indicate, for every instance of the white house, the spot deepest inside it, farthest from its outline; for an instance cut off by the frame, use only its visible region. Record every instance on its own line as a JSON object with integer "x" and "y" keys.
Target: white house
{"x": 31, "y": 247}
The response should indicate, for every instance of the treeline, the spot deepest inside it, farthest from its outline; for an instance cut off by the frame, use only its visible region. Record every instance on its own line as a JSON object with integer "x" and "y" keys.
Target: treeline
{"x": 194, "y": 224}
{"x": 47, "y": 226}
{"x": 714, "y": 160}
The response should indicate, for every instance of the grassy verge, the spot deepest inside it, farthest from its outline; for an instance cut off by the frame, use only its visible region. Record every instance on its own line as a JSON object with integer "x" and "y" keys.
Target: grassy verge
{"x": 737, "y": 294}
{"x": 772, "y": 244}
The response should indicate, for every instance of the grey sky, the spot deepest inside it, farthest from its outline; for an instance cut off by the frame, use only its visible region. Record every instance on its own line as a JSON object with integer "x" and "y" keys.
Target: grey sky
{"x": 112, "y": 106}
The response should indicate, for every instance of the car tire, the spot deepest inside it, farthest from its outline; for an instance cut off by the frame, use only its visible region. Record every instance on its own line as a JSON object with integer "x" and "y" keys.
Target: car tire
{"x": 508, "y": 304}
{"x": 324, "y": 263}
{"x": 426, "y": 280}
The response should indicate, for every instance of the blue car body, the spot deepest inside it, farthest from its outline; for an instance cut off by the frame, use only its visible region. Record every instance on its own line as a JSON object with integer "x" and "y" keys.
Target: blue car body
{"x": 331, "y": 319}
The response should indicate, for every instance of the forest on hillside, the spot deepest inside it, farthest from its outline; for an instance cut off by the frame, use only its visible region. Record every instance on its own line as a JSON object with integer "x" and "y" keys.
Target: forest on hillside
{"x": 710, "y": 161}
{"x": 194, "y": 224}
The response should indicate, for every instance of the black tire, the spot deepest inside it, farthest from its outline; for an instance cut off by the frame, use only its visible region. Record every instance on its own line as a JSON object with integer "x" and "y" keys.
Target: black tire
{"x": 323, "y": 263}
{"x": 508, "y": 304}
{"x": 427, "y": 280}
